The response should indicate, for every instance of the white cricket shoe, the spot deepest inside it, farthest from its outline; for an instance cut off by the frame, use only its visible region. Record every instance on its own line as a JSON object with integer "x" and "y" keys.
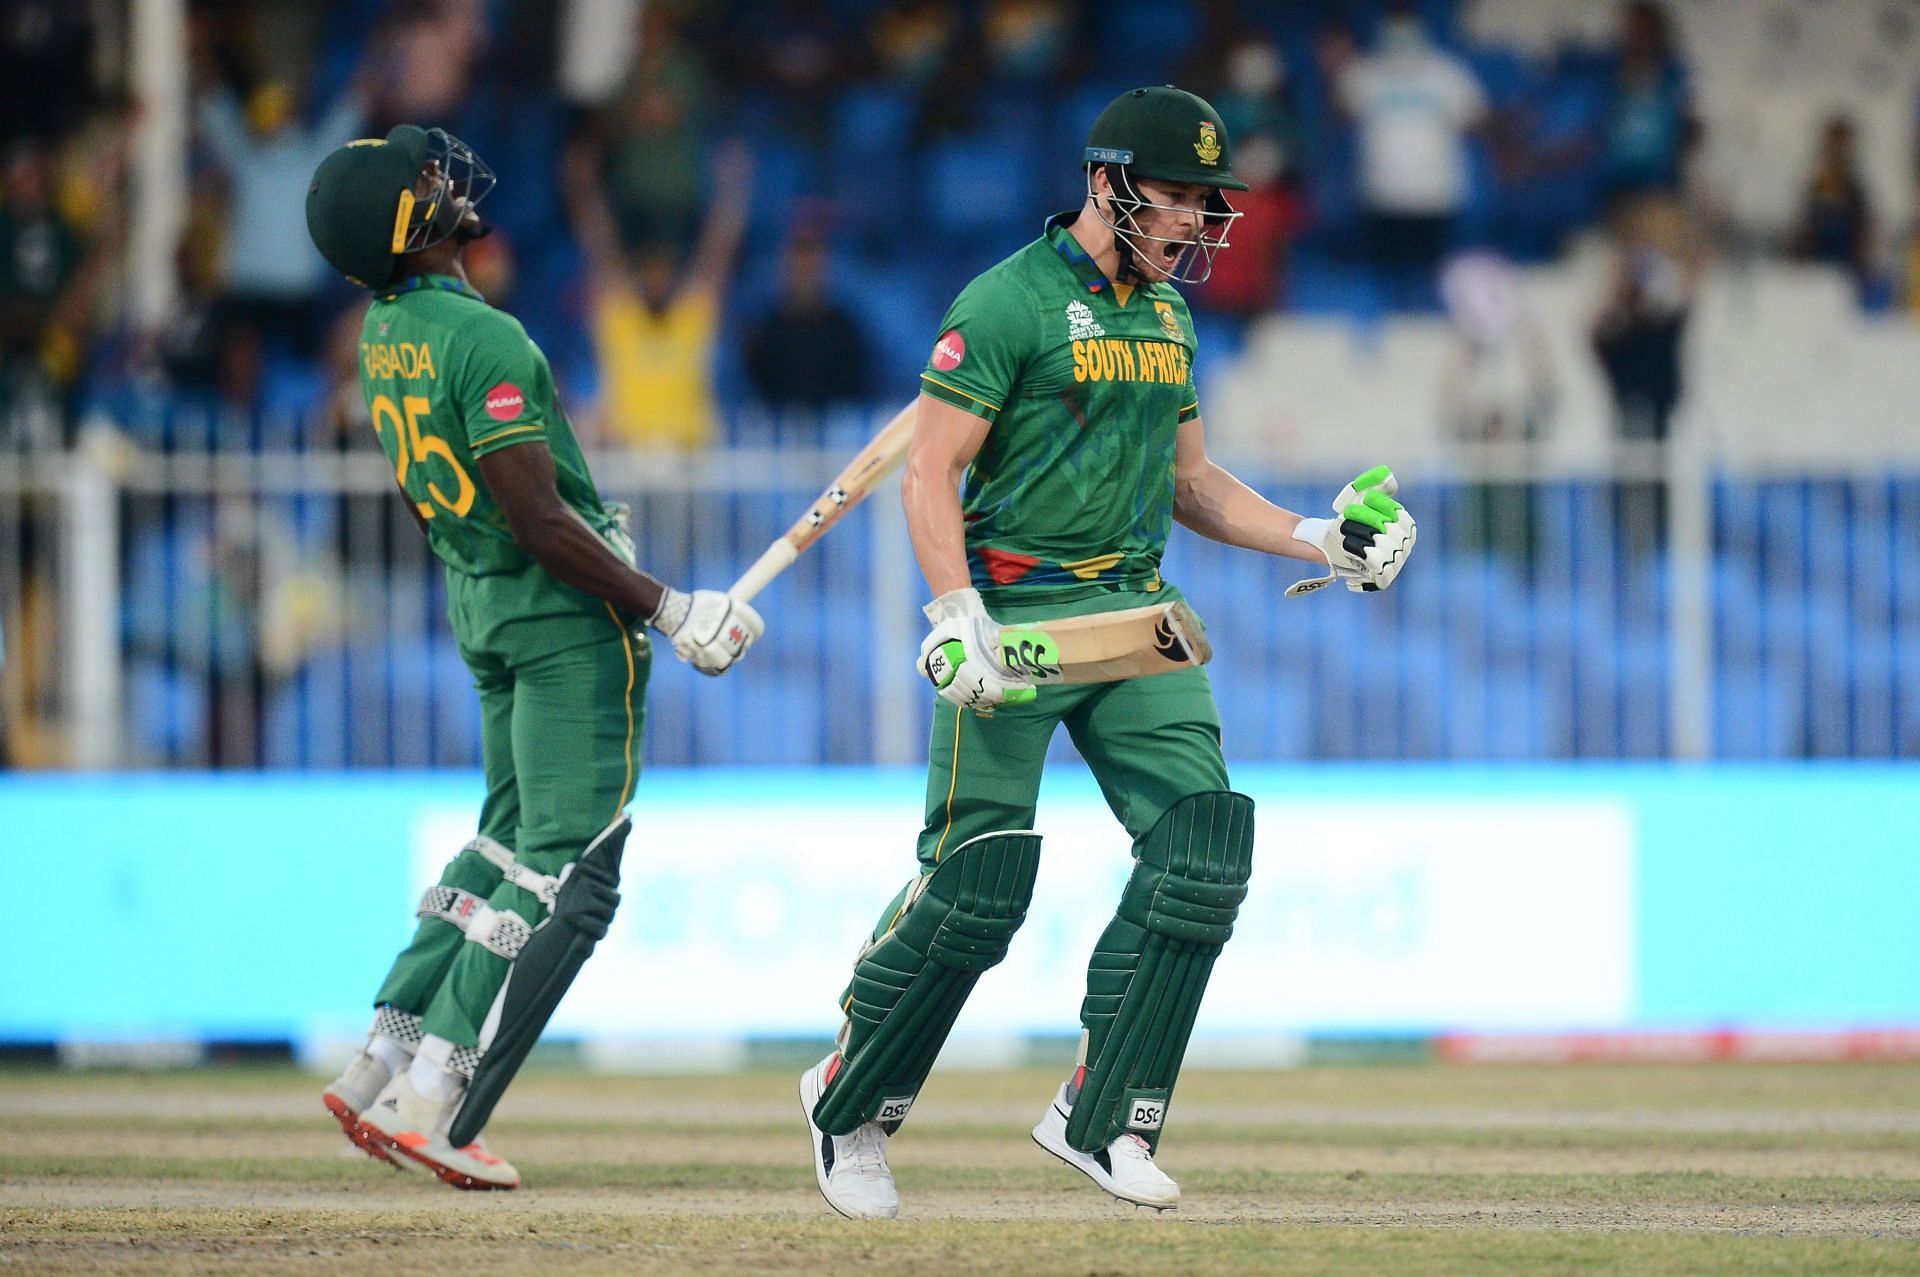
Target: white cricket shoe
{"x": 851, "y": 1169}
{"x": 410, "y": 1126}
{"x": 1124, "y": 1168}
{"x": 354, "y": 1091}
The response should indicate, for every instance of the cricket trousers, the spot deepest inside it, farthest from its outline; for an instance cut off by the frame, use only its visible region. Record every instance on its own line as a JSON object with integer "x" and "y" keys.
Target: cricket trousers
{"x": 1149, "y": 742}
{"x": 562, "y": 681}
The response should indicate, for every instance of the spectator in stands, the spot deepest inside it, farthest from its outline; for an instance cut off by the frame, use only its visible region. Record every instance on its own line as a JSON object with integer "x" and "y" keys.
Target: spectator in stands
{"x": 809, "y": 351}
{"x": 51, "y": 272}
{"x": 271, "y": 275}
{"x": 656, "y": 323}
{"x": 47, "y": 60}
{"x": 801, "y": 50}
{"x": 1026, "y": 40}
{"x": 1836, "y": 221}
{"x": 1414, "y": 106}
{"x": 1498, "y": 387}
{"x": 1659, "y": 258}
{"x": 427, "y": 51}
{"x": 911, "y": 41}
{"x": 649, "y": 147}
{"x": 1650, "y": 127}
{"x": 1255, "y": 102}
{"x": 1251, "y": 280}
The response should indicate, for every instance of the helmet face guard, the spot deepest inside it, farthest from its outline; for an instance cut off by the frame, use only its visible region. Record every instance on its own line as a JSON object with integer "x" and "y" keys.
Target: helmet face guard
{"x": 1194, "y": 263}
{"x": 461, "y": 180}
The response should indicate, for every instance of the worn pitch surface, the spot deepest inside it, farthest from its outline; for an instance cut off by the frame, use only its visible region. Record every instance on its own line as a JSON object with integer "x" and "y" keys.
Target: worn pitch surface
{"x": 1407, "y": 1169}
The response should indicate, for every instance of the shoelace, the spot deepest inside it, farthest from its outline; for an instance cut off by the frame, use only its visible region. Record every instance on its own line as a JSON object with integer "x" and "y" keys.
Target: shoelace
{"x": 866, "y": 1149}
{"x": 1135, "y": 1147}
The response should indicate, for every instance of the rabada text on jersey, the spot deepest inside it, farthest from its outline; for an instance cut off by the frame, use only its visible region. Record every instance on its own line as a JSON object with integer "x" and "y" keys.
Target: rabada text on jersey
{"x": 1086, "y": 383}
{"x": 449, "y": 379}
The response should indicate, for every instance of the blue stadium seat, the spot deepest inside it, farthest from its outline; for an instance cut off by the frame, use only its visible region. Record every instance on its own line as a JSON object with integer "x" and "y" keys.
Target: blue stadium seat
{"x": 872, "y": 120}
{"x": 305, "y": 719}
{"x": 166, "y": 711}
{"x": 981, "y": 188}
{"x": 1758, "y": 714}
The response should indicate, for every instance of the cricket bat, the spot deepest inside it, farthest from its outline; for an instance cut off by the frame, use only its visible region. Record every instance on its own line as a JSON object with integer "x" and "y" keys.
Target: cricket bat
{"x": 1106, "y": 646}
{"x": 873, "y": 463}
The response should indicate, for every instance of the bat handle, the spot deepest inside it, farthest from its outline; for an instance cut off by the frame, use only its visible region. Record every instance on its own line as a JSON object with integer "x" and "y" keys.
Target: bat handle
{"x": 764, "y": 569}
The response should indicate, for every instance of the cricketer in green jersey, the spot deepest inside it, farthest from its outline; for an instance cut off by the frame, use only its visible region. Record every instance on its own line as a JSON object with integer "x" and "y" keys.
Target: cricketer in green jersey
{"x": 549, "y": 612}
{"x": 1061, "y": 389}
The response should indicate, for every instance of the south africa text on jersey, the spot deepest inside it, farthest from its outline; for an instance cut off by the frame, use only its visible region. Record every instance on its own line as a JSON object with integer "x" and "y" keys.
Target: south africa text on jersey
{"x": 384, "y": 359}
{"x": 1118, "y": 359}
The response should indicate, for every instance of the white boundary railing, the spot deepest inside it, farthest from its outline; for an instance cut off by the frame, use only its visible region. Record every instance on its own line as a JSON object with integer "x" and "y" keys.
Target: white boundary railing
{"x": 201, "y": 598}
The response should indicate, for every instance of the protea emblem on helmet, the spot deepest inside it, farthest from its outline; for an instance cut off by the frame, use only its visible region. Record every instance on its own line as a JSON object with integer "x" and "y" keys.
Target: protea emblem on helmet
{"x": 1208, "y": 147}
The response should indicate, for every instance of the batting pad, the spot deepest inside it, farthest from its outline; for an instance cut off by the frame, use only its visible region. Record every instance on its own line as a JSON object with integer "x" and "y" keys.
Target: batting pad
{"x": 1150, "y": 968}
{"x": 910, "y": 983}
{"x": 542, "y": 971}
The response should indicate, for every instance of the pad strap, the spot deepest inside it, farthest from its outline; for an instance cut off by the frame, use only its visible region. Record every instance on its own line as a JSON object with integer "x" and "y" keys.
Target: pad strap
{"x": 541, "y": 885}
{"x": 500, "y": 930}
{"x": 402, "y": 1026}
{"x": 450, "y": 904}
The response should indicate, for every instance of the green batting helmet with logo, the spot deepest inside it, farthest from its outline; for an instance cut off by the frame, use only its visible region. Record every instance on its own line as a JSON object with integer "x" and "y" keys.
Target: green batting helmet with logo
{"x": 362, "y": 208}
{"x": 1164, "y": 133}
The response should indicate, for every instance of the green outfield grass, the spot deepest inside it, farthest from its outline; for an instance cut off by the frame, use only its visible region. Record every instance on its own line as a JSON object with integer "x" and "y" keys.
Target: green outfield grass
{"x": 1401, "y": 1169}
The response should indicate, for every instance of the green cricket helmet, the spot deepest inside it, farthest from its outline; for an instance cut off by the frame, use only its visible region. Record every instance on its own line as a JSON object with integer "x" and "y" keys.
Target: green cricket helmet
{"x": 1164, "y": 134}
{"x": 377, "y": 199}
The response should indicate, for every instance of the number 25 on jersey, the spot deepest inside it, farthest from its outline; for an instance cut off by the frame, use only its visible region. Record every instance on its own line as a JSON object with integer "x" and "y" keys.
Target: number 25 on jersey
{"x": 415, "y": 448}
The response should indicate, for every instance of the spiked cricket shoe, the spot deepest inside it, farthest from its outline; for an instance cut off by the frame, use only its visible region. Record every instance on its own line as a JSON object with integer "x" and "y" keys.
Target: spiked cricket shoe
{"x": 354, "y": 1091}
{"x": 851, "y": 1169}
{"x": 410, "y": 1126}
{"x": 1124, "y": 1168}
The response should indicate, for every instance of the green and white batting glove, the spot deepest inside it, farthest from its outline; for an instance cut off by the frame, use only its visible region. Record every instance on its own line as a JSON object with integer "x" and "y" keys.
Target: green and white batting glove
{"x": 1369, "y": 544}
{"x": 958, "y": 655}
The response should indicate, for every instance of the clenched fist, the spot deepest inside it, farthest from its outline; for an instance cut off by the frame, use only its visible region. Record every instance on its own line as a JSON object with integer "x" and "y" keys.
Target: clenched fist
{"x": 1370, "y": 542}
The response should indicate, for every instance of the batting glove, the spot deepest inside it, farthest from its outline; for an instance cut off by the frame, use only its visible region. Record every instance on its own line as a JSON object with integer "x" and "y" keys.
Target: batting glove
{"x": 958, "y": 656}
{"x": 1370, "y": 543}
{"x": 709, "y": 630}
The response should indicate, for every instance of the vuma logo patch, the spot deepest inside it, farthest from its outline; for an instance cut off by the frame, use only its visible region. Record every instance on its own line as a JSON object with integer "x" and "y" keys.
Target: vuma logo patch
{"x": 949, "y": 350}
{"x": 505, "y": 401}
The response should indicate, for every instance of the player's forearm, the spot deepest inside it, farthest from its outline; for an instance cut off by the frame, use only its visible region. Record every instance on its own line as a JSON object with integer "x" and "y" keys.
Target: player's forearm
{"x": 935, "y": 524}
{"x": 1215, "y": 504}
{"x": 571, "y": 552}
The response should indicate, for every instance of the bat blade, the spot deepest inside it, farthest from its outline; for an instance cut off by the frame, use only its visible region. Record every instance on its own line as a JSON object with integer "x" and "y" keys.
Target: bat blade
{"x": 1106, "y": 647}
{"x": 882, "y": 454}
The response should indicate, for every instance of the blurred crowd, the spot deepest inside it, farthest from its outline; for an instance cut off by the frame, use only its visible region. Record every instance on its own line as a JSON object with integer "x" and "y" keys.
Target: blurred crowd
{"x": 714, "y": 207}
{"x": 736, "y": 223}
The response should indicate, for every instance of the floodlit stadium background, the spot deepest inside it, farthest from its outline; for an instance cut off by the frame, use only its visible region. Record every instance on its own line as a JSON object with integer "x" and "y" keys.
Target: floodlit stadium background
{"x": 1627, "y": 748}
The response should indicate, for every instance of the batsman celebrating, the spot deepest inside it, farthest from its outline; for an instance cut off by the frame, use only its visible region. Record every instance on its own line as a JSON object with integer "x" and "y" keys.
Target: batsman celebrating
{"x": 1061, "y": 388}
{"x": 546, "y": 604}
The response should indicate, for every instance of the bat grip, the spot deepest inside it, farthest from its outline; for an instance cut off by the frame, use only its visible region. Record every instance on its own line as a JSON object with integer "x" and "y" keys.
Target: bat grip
{"x": 764, "y": 569}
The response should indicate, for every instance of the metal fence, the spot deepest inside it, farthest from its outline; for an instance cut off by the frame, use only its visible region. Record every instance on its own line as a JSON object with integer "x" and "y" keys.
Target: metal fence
{"x": 269, "y": 604}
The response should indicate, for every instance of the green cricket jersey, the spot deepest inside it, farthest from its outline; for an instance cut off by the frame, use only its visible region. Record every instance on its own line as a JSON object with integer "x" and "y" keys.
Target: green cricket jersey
{"x": 1086, "y": 384}
{"x": 448, "y": 380}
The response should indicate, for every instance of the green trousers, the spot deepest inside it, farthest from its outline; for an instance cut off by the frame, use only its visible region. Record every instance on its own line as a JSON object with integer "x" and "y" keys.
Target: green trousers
{"x": 563, "y": 683}
{"x": 1149, "y": 743}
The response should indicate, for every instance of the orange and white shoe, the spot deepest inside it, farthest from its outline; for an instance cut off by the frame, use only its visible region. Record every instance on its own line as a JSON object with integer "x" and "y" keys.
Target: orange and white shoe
{"x": 410, "y": 1126}
{"x": 353, "y": 1092}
